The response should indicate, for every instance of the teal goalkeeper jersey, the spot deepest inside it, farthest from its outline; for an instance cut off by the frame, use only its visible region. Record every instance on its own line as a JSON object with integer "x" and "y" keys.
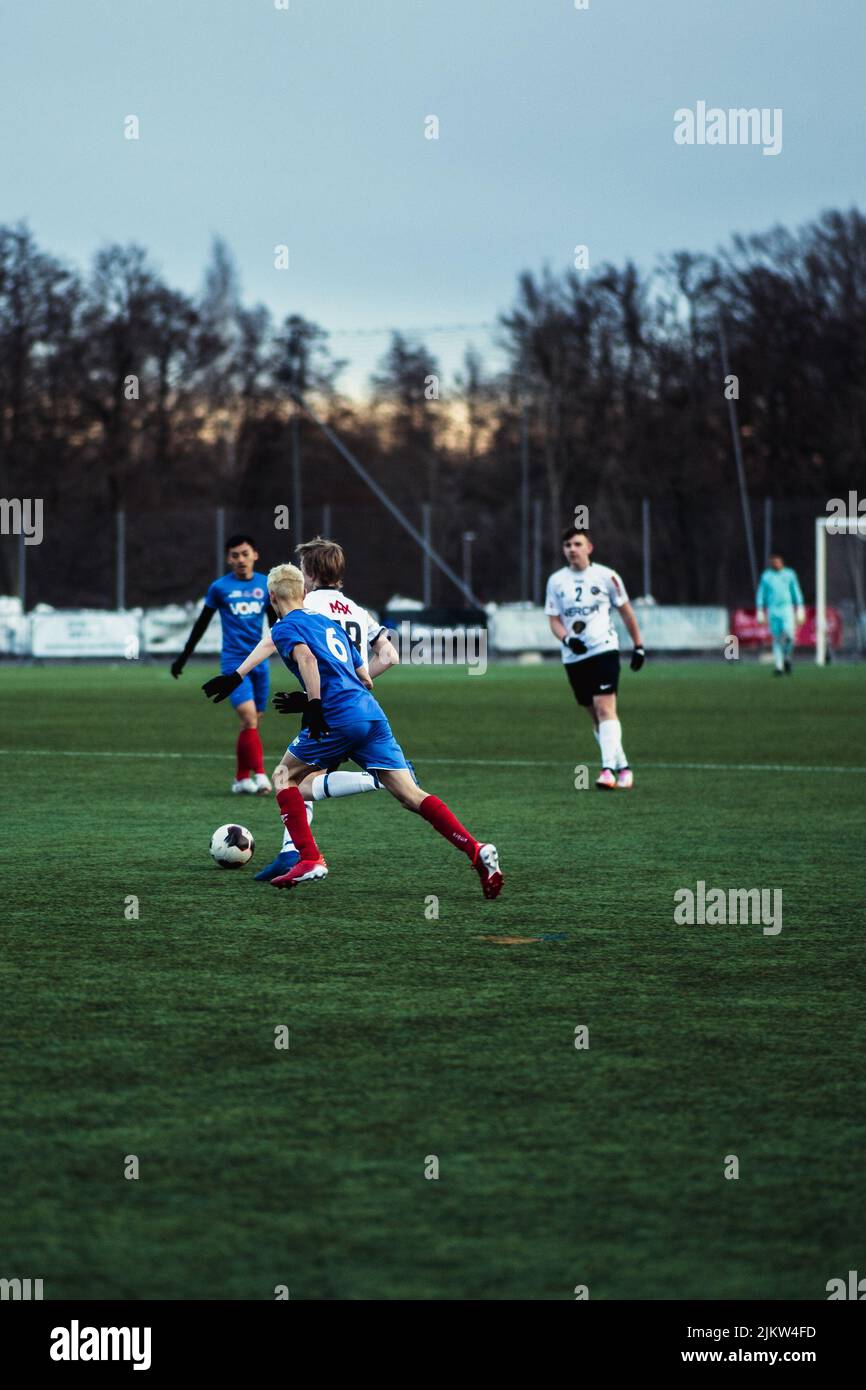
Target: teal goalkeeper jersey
{"x": 778, "y": 589}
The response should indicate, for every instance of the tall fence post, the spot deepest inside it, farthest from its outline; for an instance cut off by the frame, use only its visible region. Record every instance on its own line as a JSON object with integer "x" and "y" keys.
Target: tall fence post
{"x": 220, "y": 540}
{"x": 120, "y": 567}
{"x": 536, "y": 550}
{"x": 524, "y": 504}
{"x": 468, "y": 538}
{"x": 647, "y": 559}
{"x": 22, "y": 571}
{"x": 426, "y": 567}
{"x": 297, "y": 495}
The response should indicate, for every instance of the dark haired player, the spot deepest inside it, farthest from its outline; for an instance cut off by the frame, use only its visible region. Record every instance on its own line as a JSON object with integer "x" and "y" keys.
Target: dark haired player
{"x": 579, "y": 599}
{"x": 241, "y": 598}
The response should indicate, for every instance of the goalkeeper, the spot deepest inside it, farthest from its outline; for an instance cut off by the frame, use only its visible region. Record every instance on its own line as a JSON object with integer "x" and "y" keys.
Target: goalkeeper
{"x": 779, "y": 595}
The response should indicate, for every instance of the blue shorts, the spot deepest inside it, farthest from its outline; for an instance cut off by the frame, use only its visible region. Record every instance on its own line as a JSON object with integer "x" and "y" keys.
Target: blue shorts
{"x": 369, "y": 743}
{"x": 255, "y": 686}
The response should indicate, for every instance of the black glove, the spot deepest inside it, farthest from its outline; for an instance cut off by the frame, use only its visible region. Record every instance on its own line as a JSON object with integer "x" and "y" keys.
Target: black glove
{"x": 284, "y": 703}
{"x": 638, "y": 657}
{"x": 221, "y": 687}
{"x": 575, "y": 645}
{"x": 177, "y": 665}
{"x": 314, "y": 720}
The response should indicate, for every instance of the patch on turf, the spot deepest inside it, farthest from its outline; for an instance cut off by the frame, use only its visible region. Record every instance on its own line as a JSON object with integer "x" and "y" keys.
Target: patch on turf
{"x": 522, "y": 940}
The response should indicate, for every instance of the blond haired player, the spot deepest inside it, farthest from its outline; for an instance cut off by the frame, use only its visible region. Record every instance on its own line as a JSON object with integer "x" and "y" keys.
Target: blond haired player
{"x": 341, "y": 719}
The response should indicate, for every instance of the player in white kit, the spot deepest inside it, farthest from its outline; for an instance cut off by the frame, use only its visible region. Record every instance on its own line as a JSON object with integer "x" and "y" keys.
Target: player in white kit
{"x": 323, "y": 564}
{"x": 579, "y": 600}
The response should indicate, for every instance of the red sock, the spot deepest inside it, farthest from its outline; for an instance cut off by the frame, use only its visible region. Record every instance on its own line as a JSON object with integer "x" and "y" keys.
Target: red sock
{"x": 293, "y": 813}
{"x": 250, "y": 753}
{"x": 443, "y": 820}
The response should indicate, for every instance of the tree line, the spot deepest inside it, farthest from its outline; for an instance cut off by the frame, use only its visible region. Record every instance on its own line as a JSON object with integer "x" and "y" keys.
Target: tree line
{"x": 119, "y": 391}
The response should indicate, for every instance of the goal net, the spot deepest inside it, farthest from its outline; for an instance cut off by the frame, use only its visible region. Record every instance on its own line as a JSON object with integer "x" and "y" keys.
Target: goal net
{"x": 840, "y": 587}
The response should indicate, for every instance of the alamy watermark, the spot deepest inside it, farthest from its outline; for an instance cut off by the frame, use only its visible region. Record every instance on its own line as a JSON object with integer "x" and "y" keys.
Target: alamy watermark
{"x": 719, "y": 907}
{"x": 22, "y": 517}
{"x": 420, "y": 645}
{"x": 842, "y": 513}
{"x": 738, "y": 125}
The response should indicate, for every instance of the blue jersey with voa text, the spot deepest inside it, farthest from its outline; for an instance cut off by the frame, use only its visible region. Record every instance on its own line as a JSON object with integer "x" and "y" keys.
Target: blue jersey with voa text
{"x": 241, "y": 604}
{"x": 344, "y": 698}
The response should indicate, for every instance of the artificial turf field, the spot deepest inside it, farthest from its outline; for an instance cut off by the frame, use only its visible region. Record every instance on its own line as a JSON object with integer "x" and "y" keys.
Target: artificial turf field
{"x": 412, "y": 1037}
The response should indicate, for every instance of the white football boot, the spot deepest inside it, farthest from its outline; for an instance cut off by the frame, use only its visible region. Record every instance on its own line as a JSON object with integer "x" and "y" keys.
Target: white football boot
{"x": 244, "y": 785}
{"x": 605, "y": 782}
{"x": 625, "y": 778}
{"x": 263, "y": 786}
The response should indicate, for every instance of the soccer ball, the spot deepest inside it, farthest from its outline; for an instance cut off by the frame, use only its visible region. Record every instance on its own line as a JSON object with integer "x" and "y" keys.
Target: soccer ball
{"x": 232, "y": 846}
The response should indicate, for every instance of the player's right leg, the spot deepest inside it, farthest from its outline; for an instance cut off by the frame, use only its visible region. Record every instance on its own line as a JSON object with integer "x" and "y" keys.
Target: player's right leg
{"x": 287, "y": 856}
{"x": 482, "y": 855}
{"x": 310, "y": 865}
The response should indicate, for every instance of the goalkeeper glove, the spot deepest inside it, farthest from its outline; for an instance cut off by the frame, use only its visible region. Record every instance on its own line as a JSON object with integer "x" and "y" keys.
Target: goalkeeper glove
{"x": 221, "y": 687}
{"x": 638, "y": 657}
{"x": 285, "y": 703}
{"x": 314, "y": 720}
{"x": 575, "y": 645}
{"x": 177, "y": 666}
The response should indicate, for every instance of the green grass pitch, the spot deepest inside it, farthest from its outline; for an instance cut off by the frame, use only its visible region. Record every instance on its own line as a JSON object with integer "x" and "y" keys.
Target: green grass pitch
{"x": 412, "y": 1037}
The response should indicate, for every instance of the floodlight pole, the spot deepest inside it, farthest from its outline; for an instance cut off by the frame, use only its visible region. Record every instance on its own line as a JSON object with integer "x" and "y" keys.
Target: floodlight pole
{"x": 738, "y": 456}
{"x": 379, "y": 491}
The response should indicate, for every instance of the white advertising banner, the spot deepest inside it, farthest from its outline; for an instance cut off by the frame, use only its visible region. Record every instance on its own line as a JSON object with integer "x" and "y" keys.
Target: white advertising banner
{"x": 166, "y": 630}
{"x": 85, "y": 633}
{"x": 663, "y": 628}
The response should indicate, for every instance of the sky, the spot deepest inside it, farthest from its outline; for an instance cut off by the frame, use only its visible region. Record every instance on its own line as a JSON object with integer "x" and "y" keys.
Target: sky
{"x": 305, "y": 127}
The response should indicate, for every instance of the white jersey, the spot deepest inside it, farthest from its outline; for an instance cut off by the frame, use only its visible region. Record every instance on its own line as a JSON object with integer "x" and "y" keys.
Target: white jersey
{"x": 583, "y": 600}
{"x": 355, "y": 621}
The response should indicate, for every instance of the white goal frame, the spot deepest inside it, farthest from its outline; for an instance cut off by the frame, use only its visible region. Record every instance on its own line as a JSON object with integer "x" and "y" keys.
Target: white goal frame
{"x": 845, "y": 525}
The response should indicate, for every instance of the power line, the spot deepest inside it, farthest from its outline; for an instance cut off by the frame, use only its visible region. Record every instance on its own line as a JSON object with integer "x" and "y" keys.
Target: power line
{"x": 434, "y": 328}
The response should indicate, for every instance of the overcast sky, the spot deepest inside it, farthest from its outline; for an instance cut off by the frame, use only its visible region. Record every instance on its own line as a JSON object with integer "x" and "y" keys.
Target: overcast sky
{"x": 306, "y": 126}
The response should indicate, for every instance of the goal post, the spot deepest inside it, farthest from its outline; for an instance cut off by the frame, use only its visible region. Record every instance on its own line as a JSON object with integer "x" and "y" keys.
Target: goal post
{"x": 847, "y": 578}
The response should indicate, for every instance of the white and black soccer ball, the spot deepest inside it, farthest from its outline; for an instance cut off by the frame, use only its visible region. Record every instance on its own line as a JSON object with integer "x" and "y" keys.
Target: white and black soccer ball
{"x": 232, "y": 846}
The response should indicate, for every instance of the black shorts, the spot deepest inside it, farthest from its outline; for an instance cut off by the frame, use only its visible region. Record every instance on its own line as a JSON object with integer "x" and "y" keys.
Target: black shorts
{"x": 598, "y": 675}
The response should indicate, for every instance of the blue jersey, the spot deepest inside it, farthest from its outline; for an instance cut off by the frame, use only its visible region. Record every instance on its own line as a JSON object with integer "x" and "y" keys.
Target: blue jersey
{"x": 344, "y": 698}
{"x": 778, "y": 589}
{"x": 241, "y": 604}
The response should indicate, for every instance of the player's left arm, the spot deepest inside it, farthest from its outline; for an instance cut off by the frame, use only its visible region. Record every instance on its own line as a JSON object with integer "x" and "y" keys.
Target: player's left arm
{"x": 259, "y": 653}
{"x": 632, "y": 627}
{"x": 797, "y": 596}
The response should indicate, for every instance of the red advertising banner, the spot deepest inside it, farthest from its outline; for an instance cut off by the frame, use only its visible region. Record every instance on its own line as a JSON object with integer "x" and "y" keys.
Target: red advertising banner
{"x": 746, "y": 628}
